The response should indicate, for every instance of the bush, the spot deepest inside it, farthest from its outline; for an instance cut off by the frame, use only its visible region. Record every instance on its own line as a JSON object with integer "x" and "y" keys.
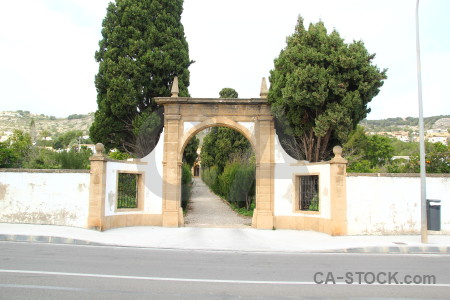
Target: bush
{"x": 361, "y": 166}
{"x": 242, "y": 187}
{"x": 186, "y": 176}
{"x": 227, "y": 178}
{"x": 74, "y": 160}
{"x": 117, "y": 155}
{"x": 210, "y": 177}
{"x": 8, "y": 158}
{"x": 186, "y": 185}
{"x": 236, "y": 184}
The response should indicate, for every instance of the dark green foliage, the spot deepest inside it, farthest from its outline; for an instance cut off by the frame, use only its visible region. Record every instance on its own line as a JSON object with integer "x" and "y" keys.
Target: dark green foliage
{"x": 21, "y": 145}
{"x": 378, "y": 150}
{"x": 228, "y": 93}
{"x": 190, "y": 152}
{"x": 23, "y": 112}
{"x": 127, "y": 190}
{"x": 186, "y": 185}
{"x": 226, "y": 179}
{"x": 367, "y": 153}
{"x": 230, "y": 171}
{"x": 67, "y": 139}
{"x": 222, "y": 145}
{"x": 242, "y": 187}
{"x": 404, "y": 148}
{"x": 142, "y": 49}
{"x": 76, "y": 116}
{"x": 236, "y": 184}
{"x": 211, "y": 177}
{"x": 74, "y": 160}
{"x": 437, "y": 160}
{"x": 8, "y": 158}
{"x": 320, "y": 89}
{"x": 117, "y": 155}
{"x": 19, "y": 152}
{"x": 44, "y": 159}
{"x": 228, "y": 166}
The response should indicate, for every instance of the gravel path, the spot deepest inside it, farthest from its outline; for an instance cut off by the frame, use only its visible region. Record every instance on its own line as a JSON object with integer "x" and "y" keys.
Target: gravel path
{"x": 205, "y": 209}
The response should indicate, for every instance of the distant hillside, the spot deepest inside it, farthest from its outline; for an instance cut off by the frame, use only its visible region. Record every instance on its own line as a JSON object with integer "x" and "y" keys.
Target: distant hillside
{"x": 22, "y": 120}
{"x": 397, "y": 124}
{"x": 10, "y": 120}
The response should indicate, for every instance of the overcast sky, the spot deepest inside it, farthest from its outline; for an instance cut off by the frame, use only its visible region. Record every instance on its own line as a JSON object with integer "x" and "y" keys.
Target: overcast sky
{"x": 47, "y": 49}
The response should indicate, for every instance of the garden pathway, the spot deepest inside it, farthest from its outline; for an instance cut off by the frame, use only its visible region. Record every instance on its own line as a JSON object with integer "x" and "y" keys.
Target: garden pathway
{"x": 205, "y": 209}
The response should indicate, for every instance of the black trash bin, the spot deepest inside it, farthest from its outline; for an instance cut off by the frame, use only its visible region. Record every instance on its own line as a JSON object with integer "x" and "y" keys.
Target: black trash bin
{"x": 434, "y": 214}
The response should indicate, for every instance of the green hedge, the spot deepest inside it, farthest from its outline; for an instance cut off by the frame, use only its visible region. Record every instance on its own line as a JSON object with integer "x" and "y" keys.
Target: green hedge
{"x": 236, "y": 184}
{"x": 186, "y": 185}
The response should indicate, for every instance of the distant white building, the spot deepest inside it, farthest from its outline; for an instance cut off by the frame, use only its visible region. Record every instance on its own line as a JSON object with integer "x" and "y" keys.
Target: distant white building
{"x": 400, "y": 135}
{"x": 438, "y": 139}
{"x": 437, "y": 130}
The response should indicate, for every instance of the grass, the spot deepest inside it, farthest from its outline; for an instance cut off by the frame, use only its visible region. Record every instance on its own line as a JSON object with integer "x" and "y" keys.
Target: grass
{"x": 242, "y": 210}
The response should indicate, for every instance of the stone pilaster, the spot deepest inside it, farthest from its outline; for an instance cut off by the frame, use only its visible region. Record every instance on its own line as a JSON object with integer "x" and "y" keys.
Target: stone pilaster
{"x": 338, "y": 174}
{"x": 97, "y": 188}
{"x": 263, "y": 215}
{"x": 171, "y": 172}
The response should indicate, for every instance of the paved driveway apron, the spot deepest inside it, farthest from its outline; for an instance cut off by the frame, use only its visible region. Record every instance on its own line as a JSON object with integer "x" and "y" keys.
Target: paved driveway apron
{"x": 205, "y": 209}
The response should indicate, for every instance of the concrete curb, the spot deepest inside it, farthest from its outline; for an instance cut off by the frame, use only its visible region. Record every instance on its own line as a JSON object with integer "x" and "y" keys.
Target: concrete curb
{"x": 395, "y": 250}
{"x": 45, "y": 239}
{"x": 417, "y": 249}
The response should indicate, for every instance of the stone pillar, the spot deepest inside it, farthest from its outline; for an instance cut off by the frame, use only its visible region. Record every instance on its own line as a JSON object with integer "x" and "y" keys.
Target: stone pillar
{"x": 263, "y": 214}
{"x": 172, "y": 211}
{"x": 97, "y": 188}
{"x": 338, "y": 194}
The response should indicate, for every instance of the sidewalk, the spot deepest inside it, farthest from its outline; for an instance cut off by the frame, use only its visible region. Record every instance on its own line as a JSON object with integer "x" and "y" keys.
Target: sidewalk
{"x": 225, "y": 239}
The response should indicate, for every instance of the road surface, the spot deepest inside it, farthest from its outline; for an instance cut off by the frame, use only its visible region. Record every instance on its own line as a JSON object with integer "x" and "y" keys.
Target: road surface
{"x": 51, "y": 271}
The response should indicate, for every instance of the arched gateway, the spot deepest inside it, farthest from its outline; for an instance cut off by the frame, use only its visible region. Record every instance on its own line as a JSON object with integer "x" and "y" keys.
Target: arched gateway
{"x": 290, "y": 194}
{"x": 185, "y": 117}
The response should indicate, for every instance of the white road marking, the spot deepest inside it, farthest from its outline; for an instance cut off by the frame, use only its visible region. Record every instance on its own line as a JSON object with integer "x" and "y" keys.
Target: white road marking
{"x": 200, "y": 280}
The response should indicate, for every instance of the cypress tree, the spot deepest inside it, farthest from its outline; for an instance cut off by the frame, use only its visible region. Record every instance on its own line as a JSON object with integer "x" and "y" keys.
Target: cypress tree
{"x": 320, "y": 88}
{"x": 142, "y": 49}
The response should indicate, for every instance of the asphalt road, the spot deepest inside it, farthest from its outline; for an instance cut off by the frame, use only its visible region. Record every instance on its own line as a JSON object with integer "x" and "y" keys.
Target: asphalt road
{"x": 51, "y": 271}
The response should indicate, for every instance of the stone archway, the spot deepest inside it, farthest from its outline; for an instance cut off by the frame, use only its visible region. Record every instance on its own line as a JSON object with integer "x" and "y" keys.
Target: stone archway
{"x": 184, "y": 117}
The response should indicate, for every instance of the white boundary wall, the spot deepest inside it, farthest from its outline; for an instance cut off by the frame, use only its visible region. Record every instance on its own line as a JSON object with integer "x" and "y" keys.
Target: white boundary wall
{"x": 151, "y": 169}
{"x": 286, "y": 169}
{"x": 56, "y": 197}
{"x": 390, "y": 203}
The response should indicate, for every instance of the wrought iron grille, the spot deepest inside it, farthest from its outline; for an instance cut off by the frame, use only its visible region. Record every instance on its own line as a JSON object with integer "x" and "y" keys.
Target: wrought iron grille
{"x": 309, "y": 192}
{"x": 127, "y": 190}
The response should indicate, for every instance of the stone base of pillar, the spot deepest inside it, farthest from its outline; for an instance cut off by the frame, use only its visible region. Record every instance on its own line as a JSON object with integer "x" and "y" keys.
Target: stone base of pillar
{"x": 262, "y": 220}
{"x": 173, "y": 218}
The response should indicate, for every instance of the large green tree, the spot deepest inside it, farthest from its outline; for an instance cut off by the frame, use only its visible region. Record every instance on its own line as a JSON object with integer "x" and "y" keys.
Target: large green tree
{"x": 228, "y": 93}
{"x": 142, "y": 49}
{"x": 320, "y": 88}
{"x": 222, "y": 145}
{"x": 190, "y": 152}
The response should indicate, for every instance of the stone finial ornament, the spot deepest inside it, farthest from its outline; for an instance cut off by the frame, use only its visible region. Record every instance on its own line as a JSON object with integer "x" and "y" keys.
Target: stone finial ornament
{"x": 99, "y": 148}
{"x": 175, "y": 89}
{"x": 337, "y": 150}
{"x": 264, "y": 91}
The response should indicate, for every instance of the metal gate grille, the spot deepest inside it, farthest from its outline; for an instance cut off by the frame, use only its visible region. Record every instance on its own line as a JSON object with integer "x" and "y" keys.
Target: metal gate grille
{"x": 309, "y": 192}
{"x": 127, "y": 190}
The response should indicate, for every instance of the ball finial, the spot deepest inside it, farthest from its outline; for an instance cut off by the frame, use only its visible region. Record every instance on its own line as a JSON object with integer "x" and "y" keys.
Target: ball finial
{"x": 99, "y": 148}
{"x": 337, "y": 150}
